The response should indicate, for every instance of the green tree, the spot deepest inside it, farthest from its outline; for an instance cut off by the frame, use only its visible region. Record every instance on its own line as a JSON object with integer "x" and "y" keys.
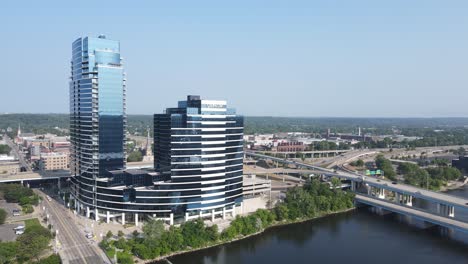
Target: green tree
{"x": 135, "y": 156}
{"x": 3, "y": 215}
{"x": 4, "y": 149}
{"x": 32, "y": 246}
{"x": 52, "y": 259}
{"x": 335, "y": 182}
{"x": 359, "y": 163}
{"x": 385, "y": 165}
{"x": 8, "y": 252}
{"x": 109, "y": 234}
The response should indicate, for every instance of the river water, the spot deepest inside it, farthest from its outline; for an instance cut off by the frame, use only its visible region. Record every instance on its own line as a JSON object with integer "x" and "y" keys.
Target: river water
{"x": 360, "y": 236}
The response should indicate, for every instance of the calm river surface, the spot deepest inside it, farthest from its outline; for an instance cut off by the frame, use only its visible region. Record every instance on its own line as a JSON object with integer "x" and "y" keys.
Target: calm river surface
{"x": 355, "y": 237}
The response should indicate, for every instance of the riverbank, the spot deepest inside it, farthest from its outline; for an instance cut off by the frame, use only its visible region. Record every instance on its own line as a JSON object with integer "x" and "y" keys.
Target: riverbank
{"x": 453, "y": 185}
{"x": 274, "y": 225}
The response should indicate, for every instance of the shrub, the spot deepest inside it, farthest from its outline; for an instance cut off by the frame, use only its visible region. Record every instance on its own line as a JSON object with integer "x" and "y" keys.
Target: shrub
{"x": 3, "y": 215}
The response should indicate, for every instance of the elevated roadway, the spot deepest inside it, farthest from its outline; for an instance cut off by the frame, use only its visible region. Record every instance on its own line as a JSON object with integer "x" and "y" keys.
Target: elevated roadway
{"x": 413, "y": 212}
{"x": 447, "y": 204}
{"x": 34, "y": 176}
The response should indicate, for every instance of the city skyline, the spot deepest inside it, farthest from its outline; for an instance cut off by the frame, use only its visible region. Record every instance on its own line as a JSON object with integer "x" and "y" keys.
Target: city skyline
{"x": 304, "y": 57}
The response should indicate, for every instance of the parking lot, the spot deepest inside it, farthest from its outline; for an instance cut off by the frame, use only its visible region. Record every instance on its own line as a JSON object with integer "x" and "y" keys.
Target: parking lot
{"x": 9, "y": 208}
{"x": 7, "y": 233}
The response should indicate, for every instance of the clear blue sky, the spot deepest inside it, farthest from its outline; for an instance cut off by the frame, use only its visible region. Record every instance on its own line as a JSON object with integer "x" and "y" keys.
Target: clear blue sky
{"x": 280, "y": 58}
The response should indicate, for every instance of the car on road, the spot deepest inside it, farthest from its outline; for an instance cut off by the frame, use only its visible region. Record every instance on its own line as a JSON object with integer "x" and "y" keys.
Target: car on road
{"x": 48, "y": 198}
{"x": 394, "y": 182}
{"x": 16, "y": 212}
{"x": 89, "y": 235}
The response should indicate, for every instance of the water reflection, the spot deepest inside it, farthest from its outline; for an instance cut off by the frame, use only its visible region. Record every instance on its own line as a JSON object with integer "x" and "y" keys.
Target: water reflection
{"x": 354, "y": 237}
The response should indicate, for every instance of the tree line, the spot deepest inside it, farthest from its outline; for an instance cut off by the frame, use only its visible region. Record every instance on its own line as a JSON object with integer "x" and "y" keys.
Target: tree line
{"x": 29, "y": 246}
{"x": 16, "y": 193}
{"x": 301, "y": 203}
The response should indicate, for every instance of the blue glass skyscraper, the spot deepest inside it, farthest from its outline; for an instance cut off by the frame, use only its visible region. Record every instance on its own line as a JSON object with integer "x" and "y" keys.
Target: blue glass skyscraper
{"x": 198, "y": 148}
{"x": 97, "y": 115}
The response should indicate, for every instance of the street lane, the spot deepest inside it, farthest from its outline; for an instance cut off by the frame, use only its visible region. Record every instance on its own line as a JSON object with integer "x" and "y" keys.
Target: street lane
{"x": 75, "y": 247}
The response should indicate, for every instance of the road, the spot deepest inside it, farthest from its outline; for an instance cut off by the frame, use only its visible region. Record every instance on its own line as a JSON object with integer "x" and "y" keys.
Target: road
{"x": 416, "y": 192}
{"x": 411, "y": 211}
{"x": 31, "y": 176}
{"x": 16, "y": 153}
{"x": 75, "y": 247}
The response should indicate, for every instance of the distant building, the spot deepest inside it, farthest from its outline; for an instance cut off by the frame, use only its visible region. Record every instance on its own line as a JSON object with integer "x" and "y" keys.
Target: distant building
{"x": 461, "y": 163}
{"x": 148, "y": 150}
{"x": 293, "y": 146}
{"x": 9, "y": 165}
{"x": 54, "y": 161}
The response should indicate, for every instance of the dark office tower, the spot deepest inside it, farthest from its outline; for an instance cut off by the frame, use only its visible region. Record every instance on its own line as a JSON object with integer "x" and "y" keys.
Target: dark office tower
{"x": 97, "y": 115}
{"x": 198, "y": 151}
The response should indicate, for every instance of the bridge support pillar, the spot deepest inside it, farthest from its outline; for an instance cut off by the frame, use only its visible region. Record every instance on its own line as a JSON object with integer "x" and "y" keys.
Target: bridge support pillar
{"x": 241, "y": 208}
{"x": 353, "y": 186}
{"x": 224, "y": 213}
{"x": 212, "y": 215}
{"x": 381, "y": 194}
{"x": 451, "y": 211}
{"x": 186, "y": 216}
{"x": 234, "y": 211}
{"x": 369, "y": 190}
{"x": 87, "y": 212}
{"x": 409, "y": 200}
{"x": 107, "y": 217}
{"x": 96, "y": 214}
{"x": 123, "y": 218}
{"x": 171, "y": 219}
{"x": 136, "y": 219}
{"x": 397, "y": 198}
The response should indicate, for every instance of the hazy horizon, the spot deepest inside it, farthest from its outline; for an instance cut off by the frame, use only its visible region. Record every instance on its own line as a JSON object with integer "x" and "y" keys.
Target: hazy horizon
{"x": 354, "y": 59}
{"x": 331, "y": 117}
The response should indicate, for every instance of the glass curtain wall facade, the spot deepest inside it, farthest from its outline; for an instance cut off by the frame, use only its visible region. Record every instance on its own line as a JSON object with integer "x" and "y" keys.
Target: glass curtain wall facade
{"x": 198, "y": 151}
{"x": 97, "y": 115}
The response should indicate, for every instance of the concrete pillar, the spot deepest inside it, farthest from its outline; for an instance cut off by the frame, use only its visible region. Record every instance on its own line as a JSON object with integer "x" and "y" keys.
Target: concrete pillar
{"x": 451, "y": 211}
{"x": 107, "y": 217}
{"x": 409, "y": 201}
{"x": 381, "y": 194}
{"x": 241, "y": 208}
{"x": 224, "y": 213}
{"x": 397, "y": 198}
{"x": 136, "y": 219}
{"x": 171, "y": 219}
{"x": 353, "y": 186}
{"x": 369, "y": 190}
{"x": 123, "y": 218}
{"x": 186, "y": 216}
{"x": 200, "y": 213}
{"x": 87, "y": 212}
{"x": 234, "y": 211}
{"x": 96, "y": 214}
{"x": 212, "y": 215}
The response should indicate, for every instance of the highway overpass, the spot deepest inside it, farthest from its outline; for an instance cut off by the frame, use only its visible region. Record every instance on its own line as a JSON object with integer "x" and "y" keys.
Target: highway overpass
{"x": 34, "y": 176}
{"x": 383, "y": 192}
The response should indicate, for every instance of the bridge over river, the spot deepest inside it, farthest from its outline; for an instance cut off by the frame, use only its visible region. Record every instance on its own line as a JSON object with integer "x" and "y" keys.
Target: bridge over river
{"x": 395, "y": 197}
